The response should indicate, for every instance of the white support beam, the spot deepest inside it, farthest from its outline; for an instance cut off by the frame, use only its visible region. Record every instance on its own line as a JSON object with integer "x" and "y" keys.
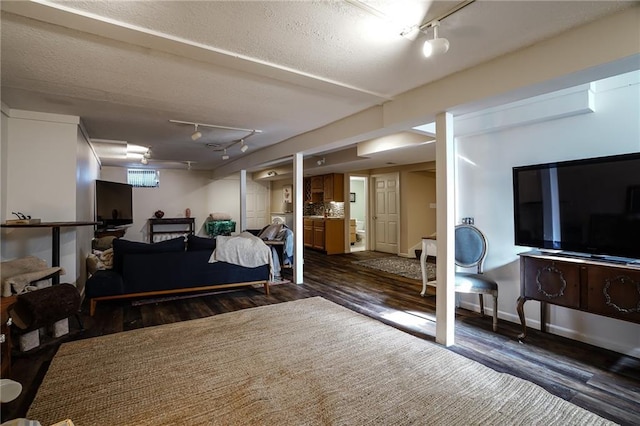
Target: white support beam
{"x": 445, "y": 200}
{"x": 243, "y": 200}
{"x": 298, "y": 229}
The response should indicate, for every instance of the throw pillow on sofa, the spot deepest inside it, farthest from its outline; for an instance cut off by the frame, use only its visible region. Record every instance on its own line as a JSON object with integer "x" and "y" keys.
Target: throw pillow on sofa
{"x": 99, "y": 260}
{"x": 122, "y": 247}
{"x": 195, "y": 243}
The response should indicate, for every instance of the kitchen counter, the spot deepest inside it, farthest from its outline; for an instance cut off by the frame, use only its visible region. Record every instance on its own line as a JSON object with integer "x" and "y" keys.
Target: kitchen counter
{"x": 322, "y": 217}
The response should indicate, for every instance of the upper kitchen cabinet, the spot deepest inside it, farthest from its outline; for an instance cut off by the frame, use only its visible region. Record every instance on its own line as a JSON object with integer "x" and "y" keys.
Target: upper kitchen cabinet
{"x": 333, "y": 185}
{"x": 313, "y": 194}
{"x": 317, "y": 184}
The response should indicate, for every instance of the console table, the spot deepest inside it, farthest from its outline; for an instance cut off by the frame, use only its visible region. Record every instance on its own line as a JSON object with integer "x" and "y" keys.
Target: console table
{"x": 188, "y": 226}
{"x": 55, "y": 237}
{"x": 590, "y": 285}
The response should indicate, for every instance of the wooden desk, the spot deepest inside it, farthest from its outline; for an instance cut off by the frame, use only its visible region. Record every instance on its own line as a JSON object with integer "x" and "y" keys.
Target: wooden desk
{"x": 428, "y": 246}
{"x": 55, "y": 237}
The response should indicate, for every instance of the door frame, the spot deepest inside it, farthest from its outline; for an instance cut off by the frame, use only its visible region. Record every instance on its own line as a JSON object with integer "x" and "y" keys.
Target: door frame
{"x": 367, "y": 210}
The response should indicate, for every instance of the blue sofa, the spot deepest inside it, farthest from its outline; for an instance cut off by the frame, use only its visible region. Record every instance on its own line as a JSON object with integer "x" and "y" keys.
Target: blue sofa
{"x": 167, "y": 267}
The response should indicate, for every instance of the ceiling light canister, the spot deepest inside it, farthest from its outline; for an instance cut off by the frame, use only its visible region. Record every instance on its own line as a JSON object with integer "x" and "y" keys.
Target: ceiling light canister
{"x": 436, "y": 46}
{"x": 196, "y": 135}
{"x": 243, "y": 147}
{"x": 225, "y": 156}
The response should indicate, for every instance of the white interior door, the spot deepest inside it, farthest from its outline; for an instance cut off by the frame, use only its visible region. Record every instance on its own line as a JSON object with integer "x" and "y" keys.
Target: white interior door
{"x": 386, "y": 215}
{"x": 257, "y": 205}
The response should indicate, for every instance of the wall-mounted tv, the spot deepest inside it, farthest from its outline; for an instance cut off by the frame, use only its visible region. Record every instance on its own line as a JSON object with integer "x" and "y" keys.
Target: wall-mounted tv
{"x": 114, "y": 204}
{"x": 589, "y": 206}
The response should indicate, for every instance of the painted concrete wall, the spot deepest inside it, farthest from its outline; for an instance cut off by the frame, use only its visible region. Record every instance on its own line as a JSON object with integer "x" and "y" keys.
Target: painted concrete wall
{"x": 484, "y": 191}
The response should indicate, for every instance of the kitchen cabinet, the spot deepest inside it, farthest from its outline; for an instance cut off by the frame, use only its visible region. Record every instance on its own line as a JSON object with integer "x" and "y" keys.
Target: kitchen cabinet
{"x": 308, "y": 232}
{"x": 313, "y": 189}
{"x": 334, "y": 236}
{"x": 306, "y": 185}
{"x": 333, "y": 185}
{"x": 318, "y": 234}
{"x": 324, "y": 234}
{"x": 317, "y": 184}
{"x": 352, "y": 231}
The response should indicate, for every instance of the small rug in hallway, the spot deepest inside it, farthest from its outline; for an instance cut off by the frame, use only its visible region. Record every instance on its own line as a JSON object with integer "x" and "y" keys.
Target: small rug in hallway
{"x": 404, "y": 266}
{"x": 309, "y": 362}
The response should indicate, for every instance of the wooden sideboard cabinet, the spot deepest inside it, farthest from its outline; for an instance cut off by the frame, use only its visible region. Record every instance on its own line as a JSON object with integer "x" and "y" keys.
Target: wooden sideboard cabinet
{"x": 594, "y": 286}
{"x": 178, "y": 225}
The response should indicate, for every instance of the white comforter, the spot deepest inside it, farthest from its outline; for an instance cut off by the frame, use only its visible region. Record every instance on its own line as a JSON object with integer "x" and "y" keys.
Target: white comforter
{"x": 245, "y": 250}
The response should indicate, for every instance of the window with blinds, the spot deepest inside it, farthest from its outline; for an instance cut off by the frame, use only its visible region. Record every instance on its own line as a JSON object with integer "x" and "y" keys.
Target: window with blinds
{"x": 143, "y": 178}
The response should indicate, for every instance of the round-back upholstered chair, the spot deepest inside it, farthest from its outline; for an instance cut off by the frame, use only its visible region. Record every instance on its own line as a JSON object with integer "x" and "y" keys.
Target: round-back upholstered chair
{"x": 470, "y": 252}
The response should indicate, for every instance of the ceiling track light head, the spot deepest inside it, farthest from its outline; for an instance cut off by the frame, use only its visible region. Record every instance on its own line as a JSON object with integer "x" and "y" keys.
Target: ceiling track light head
{"x": 196, "y": 135}
{"x": 321, "y": 161}
{"x": 225, "y": 156}
{"x": 437, "y": 46}
{"x": 243, "y": 147}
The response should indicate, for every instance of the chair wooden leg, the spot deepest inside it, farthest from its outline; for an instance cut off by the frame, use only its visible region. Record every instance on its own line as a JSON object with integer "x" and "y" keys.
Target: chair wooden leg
{"x": 481, "y": 304}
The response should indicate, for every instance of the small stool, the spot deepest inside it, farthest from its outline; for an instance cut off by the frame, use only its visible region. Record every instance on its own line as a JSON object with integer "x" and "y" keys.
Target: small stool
{"x": 50, "y": 306}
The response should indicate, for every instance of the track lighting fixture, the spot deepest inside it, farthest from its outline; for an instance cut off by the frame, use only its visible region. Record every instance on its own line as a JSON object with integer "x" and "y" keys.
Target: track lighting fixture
{"x": 196, "y": 135}
{"x": 436, "y": 46}
{"x": 220, "y": 146}
{"x": 147, "y": 154}
{"x": 272, "y": 173}
{"x": 321, "y": 161}
{"x": 144, "y": 161}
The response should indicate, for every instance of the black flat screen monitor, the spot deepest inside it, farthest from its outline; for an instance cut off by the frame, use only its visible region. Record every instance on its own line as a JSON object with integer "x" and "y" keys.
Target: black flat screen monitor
{"x": 589, "y": 206}
{"x": 114, "y": 204}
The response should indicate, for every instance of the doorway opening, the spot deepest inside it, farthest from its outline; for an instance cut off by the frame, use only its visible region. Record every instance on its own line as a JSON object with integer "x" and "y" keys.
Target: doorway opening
{"x": 358, "y": 213}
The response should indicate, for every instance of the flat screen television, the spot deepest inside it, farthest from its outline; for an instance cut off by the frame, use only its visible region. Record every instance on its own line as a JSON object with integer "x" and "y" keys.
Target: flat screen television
{"x": 114, "y": 204}
{"x": 589, "y": 206}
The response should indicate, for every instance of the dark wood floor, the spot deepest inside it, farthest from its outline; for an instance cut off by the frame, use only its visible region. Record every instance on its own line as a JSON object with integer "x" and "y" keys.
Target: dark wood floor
{"x": 601, "y": 381}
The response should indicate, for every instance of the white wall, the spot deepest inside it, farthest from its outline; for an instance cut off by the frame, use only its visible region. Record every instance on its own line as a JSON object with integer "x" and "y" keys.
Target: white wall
{"x": 484, "y": 191}
{"x": 178, "y": 190}
{"x": 41, "y": 178}
{"x": 87, "y": 169}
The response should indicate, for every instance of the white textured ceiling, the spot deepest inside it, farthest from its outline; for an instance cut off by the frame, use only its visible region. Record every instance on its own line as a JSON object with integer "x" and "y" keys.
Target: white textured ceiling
{"x": 284, "y": 67}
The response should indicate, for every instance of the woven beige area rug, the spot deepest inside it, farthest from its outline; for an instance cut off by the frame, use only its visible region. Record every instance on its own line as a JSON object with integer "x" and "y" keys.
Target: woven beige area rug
{"x": 307, "y": 362}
